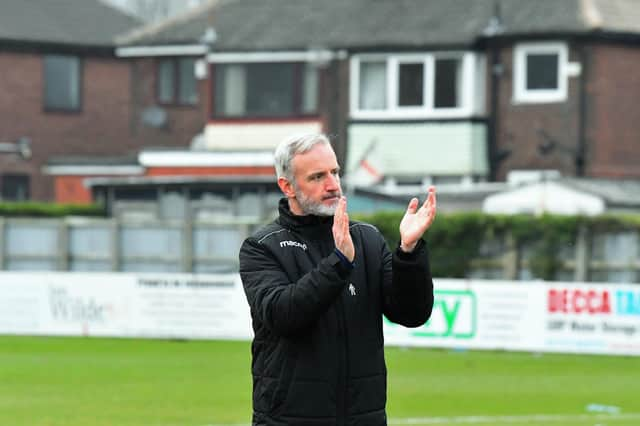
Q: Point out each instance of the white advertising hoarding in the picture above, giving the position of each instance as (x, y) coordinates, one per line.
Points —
(467, 314)
(124, 305)
(516, 315)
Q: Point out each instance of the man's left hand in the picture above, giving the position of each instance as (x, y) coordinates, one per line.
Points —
(416, 221)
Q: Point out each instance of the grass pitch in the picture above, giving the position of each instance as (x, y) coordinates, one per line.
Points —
(90, 382)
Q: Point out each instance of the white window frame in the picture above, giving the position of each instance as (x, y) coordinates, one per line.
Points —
(520, 92)
(393, 110)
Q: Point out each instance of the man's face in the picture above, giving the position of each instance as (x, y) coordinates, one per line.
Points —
(316, 185)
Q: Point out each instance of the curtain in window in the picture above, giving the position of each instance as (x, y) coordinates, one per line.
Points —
(62, 82)
(373, 83)
(188, 93)
(166, 79)
(234, 90)
(310, 90)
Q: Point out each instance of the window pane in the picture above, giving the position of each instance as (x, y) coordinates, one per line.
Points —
(62, 82)
(542, 71)
(448, 83)
(310, 90)
(270, 90)
(254, 90)
(373, 85)
(410, 85)
(188, 90)
(230, 91)
(15, 187)
(166, 79)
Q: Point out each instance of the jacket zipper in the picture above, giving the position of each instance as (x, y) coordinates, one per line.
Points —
(343, 370)
(343, 350)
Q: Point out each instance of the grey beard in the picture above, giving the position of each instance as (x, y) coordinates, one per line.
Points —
(311, 207)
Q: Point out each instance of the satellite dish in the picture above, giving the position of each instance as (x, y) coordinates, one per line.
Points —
(154, 116)
(24, 147)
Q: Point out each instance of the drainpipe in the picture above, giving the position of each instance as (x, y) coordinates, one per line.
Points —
(496, 71)
(492, 33)
(581, 152)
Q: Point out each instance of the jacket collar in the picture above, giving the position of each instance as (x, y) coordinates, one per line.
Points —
(300, 223)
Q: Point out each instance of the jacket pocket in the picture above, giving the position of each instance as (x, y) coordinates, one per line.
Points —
(272, 380)
(367, 394)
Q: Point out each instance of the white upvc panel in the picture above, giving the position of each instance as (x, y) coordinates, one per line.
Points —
(238, 136)
(419, 149)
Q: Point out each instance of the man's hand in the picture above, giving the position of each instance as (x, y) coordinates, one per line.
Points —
(416, 221)
(341, 235)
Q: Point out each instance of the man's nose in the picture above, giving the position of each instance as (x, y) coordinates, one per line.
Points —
(333, 183)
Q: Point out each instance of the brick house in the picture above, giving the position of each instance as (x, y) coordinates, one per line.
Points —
(63, 90)
(426, 91)
(438, 91)
(566, 76)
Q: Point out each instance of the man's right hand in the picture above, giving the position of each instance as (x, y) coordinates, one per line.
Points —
(341, 235)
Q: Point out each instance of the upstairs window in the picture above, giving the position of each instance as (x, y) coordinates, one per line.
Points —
(61, 83)
(373, 81)
(265, 90)
(412, 85)
(448, 83)
(176, 81)
(540, 72)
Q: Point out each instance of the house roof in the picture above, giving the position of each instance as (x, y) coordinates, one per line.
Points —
(615, 192)
(544, 197)
(68, 22)
(566, 195)
(361, 24)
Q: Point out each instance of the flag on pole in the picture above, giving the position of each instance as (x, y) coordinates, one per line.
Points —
(368, 169)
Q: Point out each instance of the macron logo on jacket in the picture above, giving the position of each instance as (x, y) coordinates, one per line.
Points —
(293, 244)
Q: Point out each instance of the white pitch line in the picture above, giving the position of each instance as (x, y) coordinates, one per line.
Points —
(536, 418)
(453, 420)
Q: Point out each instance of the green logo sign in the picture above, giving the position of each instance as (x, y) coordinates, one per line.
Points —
(454, 316)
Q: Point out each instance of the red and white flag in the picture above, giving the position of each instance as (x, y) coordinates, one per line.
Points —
(368, 170)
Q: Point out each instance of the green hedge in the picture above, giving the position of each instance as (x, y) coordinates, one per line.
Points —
(37, 209)
(454, 240)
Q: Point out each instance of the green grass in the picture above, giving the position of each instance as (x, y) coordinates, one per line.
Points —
(89, 382)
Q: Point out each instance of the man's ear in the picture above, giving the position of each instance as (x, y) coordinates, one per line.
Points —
(286, 187)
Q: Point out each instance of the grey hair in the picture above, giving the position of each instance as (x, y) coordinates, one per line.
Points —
(292, 146)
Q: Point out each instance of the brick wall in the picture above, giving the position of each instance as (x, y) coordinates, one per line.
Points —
(613, 118)
(520, 125)
(114, 94)
(183, 121)
(100, 127)
(612, 138)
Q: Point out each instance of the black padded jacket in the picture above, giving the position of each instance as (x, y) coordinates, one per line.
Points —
(318, 355)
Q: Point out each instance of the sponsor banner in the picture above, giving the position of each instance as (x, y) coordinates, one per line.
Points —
(593, 318)
(467, 314)
(124, 305)
(190, 306)
(478, 315)
(515, 315)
